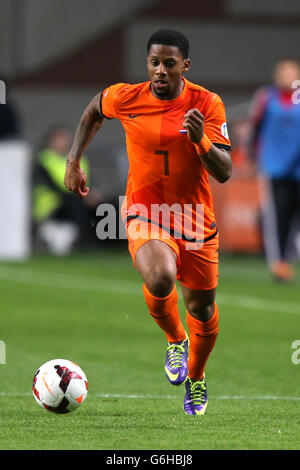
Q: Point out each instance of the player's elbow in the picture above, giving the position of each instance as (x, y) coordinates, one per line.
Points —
(225, 174)
(225, 169)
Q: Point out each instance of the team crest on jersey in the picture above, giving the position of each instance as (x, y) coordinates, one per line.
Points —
(224, 130)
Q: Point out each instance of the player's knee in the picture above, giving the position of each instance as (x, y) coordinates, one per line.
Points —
(161, 281)
(200, 311)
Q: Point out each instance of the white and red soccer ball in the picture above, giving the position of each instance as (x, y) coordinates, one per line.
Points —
(60, 386)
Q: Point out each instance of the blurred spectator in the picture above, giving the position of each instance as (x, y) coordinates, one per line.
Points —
(275, 142)
(60, 217)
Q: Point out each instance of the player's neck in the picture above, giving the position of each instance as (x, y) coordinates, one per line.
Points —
(180, 89)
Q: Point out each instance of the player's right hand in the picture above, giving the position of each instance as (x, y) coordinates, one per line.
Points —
(75, 179)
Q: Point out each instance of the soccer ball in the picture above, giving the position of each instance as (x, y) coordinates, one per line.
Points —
(60, 386)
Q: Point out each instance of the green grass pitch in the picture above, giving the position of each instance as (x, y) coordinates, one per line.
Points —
(90, 309)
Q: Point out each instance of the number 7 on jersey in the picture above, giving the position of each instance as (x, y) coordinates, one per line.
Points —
(165, 153)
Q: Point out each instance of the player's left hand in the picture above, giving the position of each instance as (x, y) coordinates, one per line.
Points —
(75, 179)
(194, 123)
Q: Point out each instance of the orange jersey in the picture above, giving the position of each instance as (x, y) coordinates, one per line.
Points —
(164, 167)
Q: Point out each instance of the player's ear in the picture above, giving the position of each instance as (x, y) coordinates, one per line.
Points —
(186, 65)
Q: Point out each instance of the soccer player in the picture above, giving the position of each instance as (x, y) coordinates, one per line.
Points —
(176, 137)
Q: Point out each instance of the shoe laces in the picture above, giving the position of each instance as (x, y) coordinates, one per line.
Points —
(197, 391)
(175, 352)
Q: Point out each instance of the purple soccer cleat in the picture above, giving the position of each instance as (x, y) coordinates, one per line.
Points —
(176, 366)
(195, 400)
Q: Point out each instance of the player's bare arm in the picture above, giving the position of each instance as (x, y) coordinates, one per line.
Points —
(89, 124)
(216, 161)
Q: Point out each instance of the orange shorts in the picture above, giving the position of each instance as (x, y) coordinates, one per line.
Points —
(196, 269)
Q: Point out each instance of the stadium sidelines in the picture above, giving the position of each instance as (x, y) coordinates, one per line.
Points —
(162, 397)
(119, 286)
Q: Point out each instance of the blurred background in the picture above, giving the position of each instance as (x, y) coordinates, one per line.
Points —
(57, 54)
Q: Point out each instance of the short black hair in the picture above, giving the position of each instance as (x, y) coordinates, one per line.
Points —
(170, 37)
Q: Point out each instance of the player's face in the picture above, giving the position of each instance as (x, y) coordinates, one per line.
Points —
(165, 67)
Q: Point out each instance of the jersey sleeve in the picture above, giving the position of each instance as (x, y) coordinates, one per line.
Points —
(109, 101)
(215, 124)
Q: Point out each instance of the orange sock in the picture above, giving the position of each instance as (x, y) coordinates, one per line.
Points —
(203, 336)
(164, 311)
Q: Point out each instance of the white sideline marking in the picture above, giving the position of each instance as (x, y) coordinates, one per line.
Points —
(162, 397)
(119, 286)
(173, 397)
